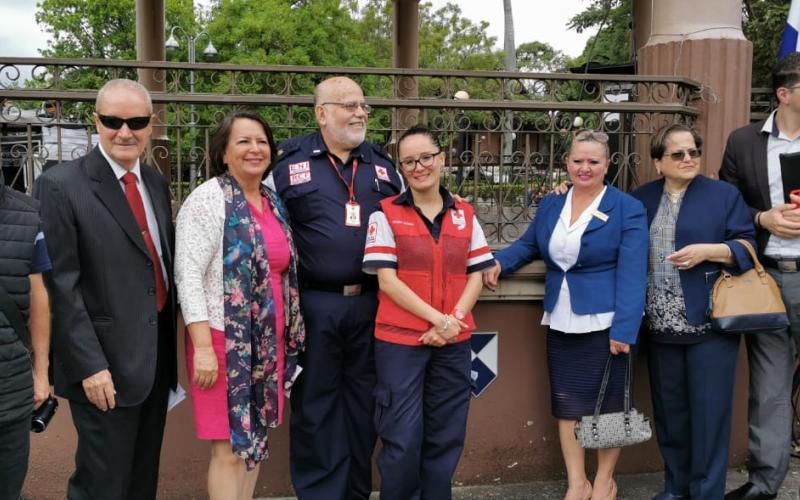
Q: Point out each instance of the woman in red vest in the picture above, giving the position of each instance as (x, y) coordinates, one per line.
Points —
(428, 251)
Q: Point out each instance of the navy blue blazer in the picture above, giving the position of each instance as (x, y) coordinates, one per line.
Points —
(611, 271)
(711, 212)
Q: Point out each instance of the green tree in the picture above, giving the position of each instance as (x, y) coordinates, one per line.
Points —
(316, 33)
(612, 44)
(541, 57)
(95, 29)
(450, 41)
(764, 21)
(102, 29)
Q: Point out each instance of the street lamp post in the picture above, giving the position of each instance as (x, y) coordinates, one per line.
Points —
(210, 51)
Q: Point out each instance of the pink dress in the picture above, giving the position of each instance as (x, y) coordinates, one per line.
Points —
(211, 405)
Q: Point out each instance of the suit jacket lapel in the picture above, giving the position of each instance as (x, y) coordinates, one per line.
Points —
(651, 198)
(162, 209)
(106, 187)
(606, 206)
(553, 215)
(758, 160)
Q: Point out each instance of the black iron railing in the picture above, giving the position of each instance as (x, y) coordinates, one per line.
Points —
(506, 133)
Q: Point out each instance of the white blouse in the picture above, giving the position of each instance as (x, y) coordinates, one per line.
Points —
(198, 255)
(564, 247)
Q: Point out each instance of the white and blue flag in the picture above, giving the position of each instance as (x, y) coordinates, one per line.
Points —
(790, 32)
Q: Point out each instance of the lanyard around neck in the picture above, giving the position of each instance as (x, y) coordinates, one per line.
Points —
(351, 186)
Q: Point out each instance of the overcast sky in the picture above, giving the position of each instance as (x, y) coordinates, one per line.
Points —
(21, 36)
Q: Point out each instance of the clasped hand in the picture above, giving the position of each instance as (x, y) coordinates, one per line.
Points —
(444, 333)
(782, 220)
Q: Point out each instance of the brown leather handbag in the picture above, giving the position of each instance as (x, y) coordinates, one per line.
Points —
(748, 303)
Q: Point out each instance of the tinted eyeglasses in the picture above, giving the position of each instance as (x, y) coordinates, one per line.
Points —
(680, 155)
(115, 122)
(425, 159)
(351, 107)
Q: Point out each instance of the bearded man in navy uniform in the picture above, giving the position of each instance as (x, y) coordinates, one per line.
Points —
(331, 181)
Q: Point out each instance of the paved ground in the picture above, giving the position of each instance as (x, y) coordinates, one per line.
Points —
(631, 486)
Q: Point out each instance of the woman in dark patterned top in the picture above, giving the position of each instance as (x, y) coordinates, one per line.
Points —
(694, 222)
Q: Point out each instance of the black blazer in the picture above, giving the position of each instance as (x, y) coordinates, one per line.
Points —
(744, 165)
(102, 284)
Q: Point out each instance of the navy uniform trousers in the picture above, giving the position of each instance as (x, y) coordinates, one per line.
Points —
(332, 438)
(692, 391)
(422, 400)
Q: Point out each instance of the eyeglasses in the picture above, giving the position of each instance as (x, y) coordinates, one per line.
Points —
(680, 155)
(115, 122)
(591, 135)
(350, 107)
(425, 160)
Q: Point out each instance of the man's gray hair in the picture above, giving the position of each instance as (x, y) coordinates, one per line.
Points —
(123, 83)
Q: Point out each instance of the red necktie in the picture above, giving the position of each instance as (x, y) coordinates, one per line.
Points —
(137, 207)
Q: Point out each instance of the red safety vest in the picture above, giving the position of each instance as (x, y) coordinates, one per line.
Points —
(436, 272)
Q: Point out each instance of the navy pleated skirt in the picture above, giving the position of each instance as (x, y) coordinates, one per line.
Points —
(576, 362)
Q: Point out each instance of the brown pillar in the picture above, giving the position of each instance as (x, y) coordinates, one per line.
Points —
(702, 41)
(406, 55)
(150, 47)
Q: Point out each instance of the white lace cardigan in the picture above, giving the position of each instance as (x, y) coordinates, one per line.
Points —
(198, 255)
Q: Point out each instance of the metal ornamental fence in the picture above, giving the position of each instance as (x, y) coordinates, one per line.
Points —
(505, 133)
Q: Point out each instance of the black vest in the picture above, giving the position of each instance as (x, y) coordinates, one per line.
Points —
(19, 224)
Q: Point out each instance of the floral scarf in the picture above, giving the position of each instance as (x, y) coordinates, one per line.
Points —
(250, 323)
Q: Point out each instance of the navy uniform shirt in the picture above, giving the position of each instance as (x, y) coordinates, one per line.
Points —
(329, 251)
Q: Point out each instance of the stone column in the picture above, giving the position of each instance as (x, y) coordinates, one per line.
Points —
(406, 55)
(150, 47)
(702, 41)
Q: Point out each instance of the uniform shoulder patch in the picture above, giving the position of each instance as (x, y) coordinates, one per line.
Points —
(286, 148)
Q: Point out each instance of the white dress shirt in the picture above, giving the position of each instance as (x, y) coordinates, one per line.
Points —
(777, 143)
(149, 211)
(564, 247)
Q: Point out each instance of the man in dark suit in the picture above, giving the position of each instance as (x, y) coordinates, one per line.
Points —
(111, 240)
(752, 163)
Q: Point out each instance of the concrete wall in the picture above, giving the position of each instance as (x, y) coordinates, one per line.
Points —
(511, 436)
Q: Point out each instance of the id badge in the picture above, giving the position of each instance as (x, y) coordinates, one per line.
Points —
(352, 214)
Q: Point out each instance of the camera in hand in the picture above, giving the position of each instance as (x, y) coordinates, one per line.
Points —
(42, 415)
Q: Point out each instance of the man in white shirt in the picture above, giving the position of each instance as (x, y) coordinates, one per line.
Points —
(109, 230)
(752, 163)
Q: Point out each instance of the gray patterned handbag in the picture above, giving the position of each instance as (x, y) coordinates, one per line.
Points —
(613, 430)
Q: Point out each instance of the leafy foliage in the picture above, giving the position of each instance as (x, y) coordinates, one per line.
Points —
(540, 57)
(103, 29)
(612, 44)
(764, 21)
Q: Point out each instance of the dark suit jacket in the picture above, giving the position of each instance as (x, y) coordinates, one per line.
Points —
(711, 212)
(102, 285)
(744, 165)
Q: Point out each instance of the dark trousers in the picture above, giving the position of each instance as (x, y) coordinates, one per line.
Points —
(332, 437)
(422, 400)
(119, 450)
(692, 391)
(15, 445)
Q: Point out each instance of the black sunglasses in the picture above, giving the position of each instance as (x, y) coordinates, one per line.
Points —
(680, 155)
(133, 123)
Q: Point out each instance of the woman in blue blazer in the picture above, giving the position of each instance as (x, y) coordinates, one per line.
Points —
(594, 242)
(694, 222)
